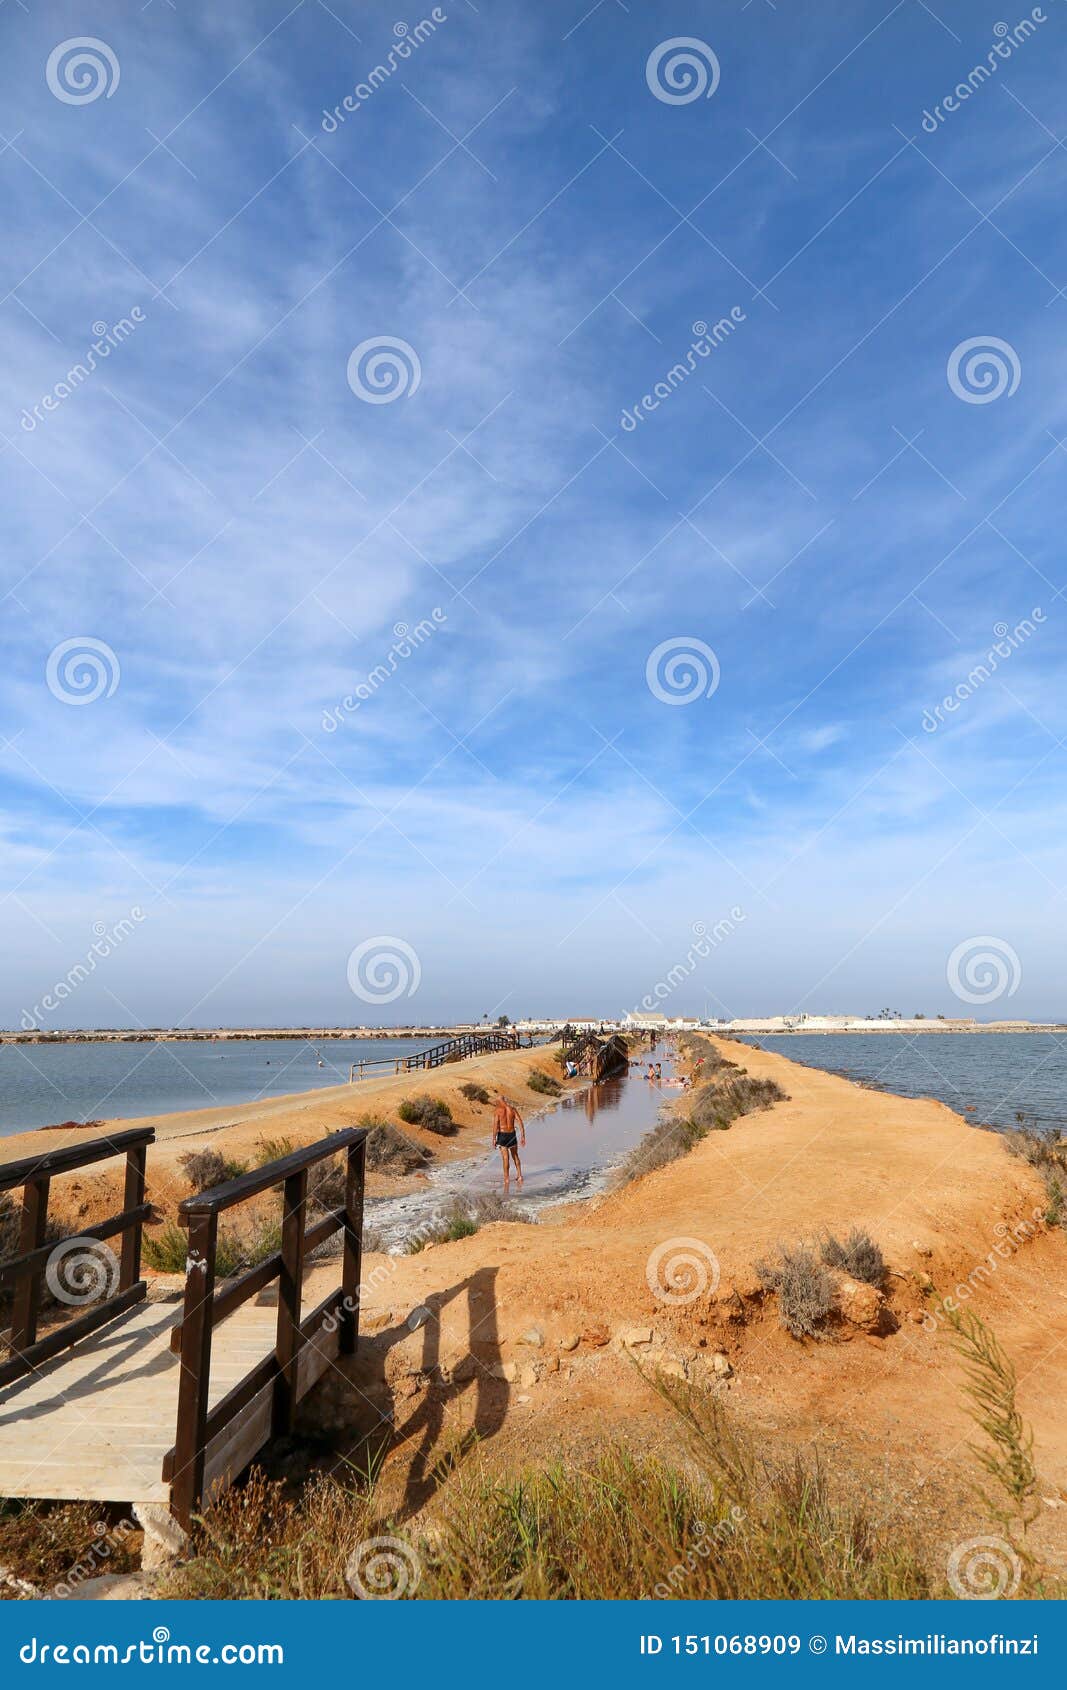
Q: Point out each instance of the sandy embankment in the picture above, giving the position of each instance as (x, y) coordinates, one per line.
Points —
(939, 1197)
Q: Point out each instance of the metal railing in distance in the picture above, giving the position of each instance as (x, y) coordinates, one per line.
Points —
(23, 1274)
(264, 1403)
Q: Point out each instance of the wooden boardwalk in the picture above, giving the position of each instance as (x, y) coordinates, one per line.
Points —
(144, 1401)
(96, 1422)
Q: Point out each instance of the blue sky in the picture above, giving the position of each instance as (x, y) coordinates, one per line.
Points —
(828, 502)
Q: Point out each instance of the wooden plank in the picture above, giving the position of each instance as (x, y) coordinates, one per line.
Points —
(28, 1289)
(37, 1259)
(132, 1201)
(224, 1196)
(352, 1248)
(63, 1336)
(188, 1482)
(290, 1292)
(229, 1454)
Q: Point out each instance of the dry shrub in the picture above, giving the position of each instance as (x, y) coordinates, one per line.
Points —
(859, 1256)
(62, 1544)
(272, 1150)
(389, 1151)
(1046, 1152)
(539, 1081)
(326, 1183)
(205, 1168)
(431, 1113)
(238, 1248)
(803, 1288)
(473, 1092)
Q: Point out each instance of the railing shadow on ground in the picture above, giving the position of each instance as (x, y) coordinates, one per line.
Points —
(454, 1375)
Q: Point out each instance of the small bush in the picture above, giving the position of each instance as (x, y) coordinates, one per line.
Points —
(1040, 1149)
(326, 1183)
(166, 1250)
(238, 1251)
(474, 1093)
(803, 1287)
(389, 1151)
(205, 1168)
(859, 1256)
(1046, 1153)
(272, 1150)
(430, 1113)
(539, 1081)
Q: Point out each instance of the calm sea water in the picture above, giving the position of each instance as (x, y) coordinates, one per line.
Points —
(999, 1074)
(41, 1085)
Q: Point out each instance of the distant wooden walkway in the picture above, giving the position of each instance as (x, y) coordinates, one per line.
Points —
(137, 1401)
(452, 1050)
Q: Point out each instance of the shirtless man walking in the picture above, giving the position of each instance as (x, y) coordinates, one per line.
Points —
(505, 1120)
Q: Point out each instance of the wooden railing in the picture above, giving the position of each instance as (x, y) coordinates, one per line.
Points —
(23, 1275)
(451, 1050)
(208, 1444)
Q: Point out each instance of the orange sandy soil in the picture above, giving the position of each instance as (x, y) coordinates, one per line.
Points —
(884, 1410)
(303, 1117)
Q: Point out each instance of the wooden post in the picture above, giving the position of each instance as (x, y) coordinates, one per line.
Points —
(130, 1270)
(290, 1288)
(352, 1258)
(28, 1290)
(187, 1485)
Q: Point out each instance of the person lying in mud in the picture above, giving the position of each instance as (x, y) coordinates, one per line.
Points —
(506, 1119)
